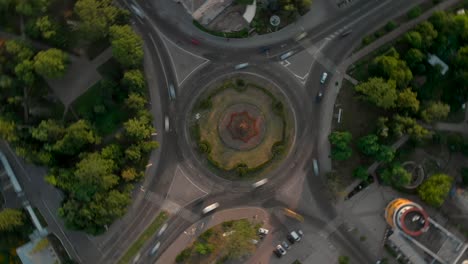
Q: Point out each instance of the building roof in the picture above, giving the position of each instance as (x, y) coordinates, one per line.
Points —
(434, 60)
(414, 221)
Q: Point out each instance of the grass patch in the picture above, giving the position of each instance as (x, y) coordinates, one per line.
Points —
(359, 118)
(244, 33)
(145, 236)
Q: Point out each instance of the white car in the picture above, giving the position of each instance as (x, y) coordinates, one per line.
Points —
(263, 231)
(323, 78)
(210, 208)
(241, 66)
(166, 124)
(280, 251)
(286, 55)
(259, 183)
(300, 36)
(155, 248)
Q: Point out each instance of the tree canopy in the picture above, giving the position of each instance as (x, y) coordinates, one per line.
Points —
(396, 175)
(407, 99)
(435, 111)
(96, 17)
(435, 190)
(51, 63)
(379, 92)
(340, 145)
(391, 67)
(10, 219)
(127, 46)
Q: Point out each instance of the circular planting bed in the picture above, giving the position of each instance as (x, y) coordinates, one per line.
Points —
(242, 127)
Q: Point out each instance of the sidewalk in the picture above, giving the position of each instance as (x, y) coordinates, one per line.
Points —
(190, 234)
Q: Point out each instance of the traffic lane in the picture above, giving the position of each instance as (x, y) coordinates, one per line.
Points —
(341, 47)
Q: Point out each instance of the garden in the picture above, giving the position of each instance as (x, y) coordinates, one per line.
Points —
(230, 240)
(407, 87)
(242, 129)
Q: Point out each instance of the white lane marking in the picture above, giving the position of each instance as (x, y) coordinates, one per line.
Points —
(188, 75)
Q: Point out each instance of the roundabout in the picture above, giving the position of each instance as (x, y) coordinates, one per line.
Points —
(242, 127)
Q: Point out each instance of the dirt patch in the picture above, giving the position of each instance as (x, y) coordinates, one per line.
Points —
(229, 20)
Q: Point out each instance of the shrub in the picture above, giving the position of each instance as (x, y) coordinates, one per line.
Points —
(278, 148)
(391, 25)
(204, 146)
(242, 169)
(435, 190)
(205, 104)
(343, 259)
(414, 12)
(207, 234)
(278, 108)
(367, 40)
(183, 256)
(360, 173)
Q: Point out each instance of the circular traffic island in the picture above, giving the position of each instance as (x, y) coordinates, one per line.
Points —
(241, 127)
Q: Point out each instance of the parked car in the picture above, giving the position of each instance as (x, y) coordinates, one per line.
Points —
(323, 79)
(285, 245)
(279, 251)
(293, 237)
(262, 232)
(210, 208)
(301, 234)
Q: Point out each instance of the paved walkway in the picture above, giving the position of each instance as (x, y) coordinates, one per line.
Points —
(190, 234)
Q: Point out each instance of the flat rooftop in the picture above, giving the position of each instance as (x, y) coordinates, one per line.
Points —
(437, 245)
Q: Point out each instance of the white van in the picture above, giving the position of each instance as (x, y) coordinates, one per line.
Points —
(210, 208)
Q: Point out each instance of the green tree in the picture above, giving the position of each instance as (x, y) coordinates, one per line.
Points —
(127, 46)
(407, 99)
(31, 7)
(48, 131)
(343, 260)
(369, 145)
(135, 102)
(134, 81)
(77, 136)
(340, 145)
(396, 175)
(382, 128)
(378, 91)
(435, 190)
(138, 128)
(51, 63)
(130, 174)
(8, 130)
(428, 34)
(46, 28)
(407, 125)
(18, 50)
(203, 249)
(385, 154)
(414, 57)
(96, 17)
(133, 153)
(414, 39)
(10, 219)
(239, 243)
(93, 216)
(393, 68)
(435, 111)
(462, 57)
(360, 173)
(93, 174)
